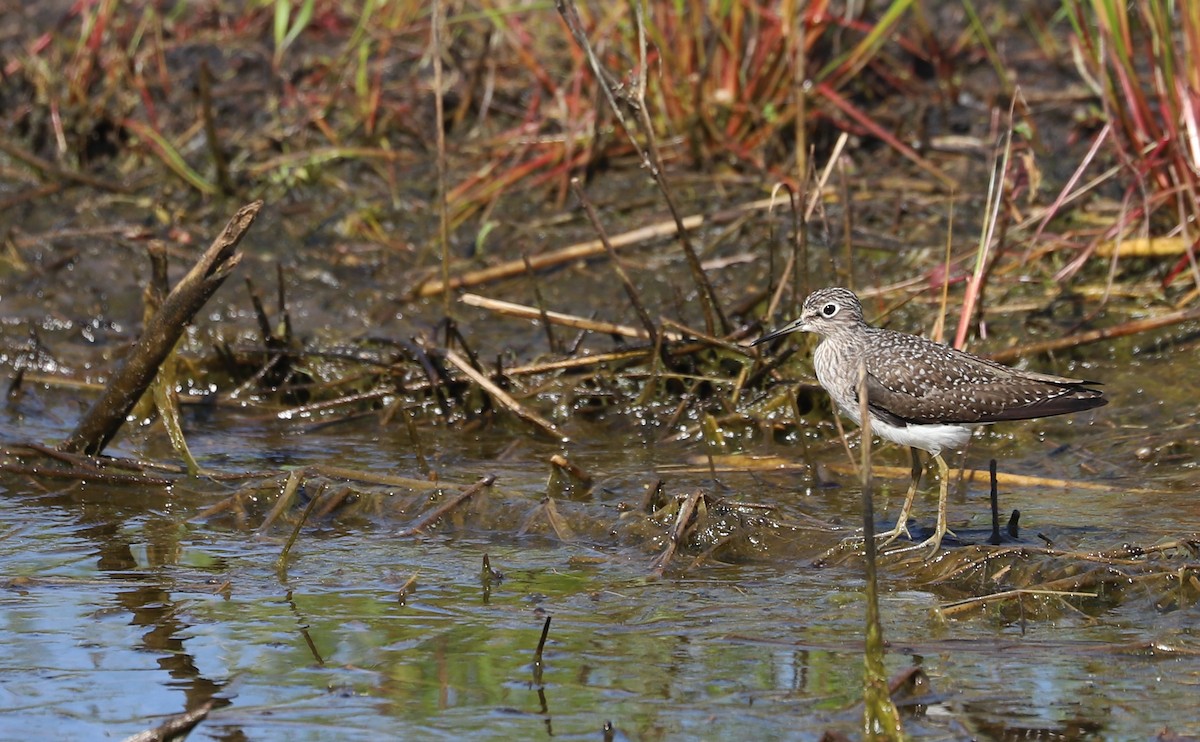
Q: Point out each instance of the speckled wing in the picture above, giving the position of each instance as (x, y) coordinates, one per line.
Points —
(917, 381)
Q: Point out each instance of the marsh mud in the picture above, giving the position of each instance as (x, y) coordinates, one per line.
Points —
(678, 512)
(125, 603)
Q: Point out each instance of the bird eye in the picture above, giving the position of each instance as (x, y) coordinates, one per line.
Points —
(829, 310)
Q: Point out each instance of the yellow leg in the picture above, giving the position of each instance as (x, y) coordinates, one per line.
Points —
(888, 537)
(934, 542)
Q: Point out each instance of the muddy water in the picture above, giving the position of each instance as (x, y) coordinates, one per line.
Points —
(123, 606)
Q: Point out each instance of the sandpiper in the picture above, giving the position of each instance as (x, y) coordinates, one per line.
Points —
(923, 394)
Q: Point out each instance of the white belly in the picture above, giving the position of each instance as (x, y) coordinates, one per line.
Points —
(931, 438)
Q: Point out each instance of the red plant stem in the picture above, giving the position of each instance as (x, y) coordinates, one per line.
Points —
(853, 112)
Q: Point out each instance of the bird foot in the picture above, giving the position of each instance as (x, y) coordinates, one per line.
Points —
(933, 543)
(888, 537)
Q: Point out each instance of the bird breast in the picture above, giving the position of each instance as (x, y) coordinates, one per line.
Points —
(836, 370)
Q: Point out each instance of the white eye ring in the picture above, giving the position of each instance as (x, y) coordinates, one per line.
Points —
(829, 310)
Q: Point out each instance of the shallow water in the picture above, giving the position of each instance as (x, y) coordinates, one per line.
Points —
(122, 606)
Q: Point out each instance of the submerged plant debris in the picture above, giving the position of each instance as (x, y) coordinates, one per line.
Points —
(518, 336)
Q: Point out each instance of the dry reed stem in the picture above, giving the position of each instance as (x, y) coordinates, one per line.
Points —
(562, 529)
(283, 502)
(312, 408)
(50, 170)
(501, 397)
(333, 501)
(574, 364)
(175, 726)
(1094, 336)
(567, 320)
(846, 107)
(384, 480)
(1066, 194)
(618, 266)
(685, 522)
(294, 481)
(436, 33)
(997, 187)
(558, 524)
(551, 340)
(709, 340)
(407, 588)
(573, 469)
(434, 515)
(208, 116)
(813, 199)
(649, 155)
(585, 250)
(736, 463)
(981, 555)
(36, 195)
(83, 475)
(967, 604)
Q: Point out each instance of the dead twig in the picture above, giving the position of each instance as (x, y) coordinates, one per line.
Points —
(960, 606)
(294, 481)
(584, 250)
(127, 385)
(50, 170)
(691, 510)
(207, 115)
(434, 515)
(567, 320)
(501, 397)
(714, 320)
(85, 474)
(1094, 336)
(437, 32)
(617, 265)
(174, 727)
(283, 502)
(736, 463)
